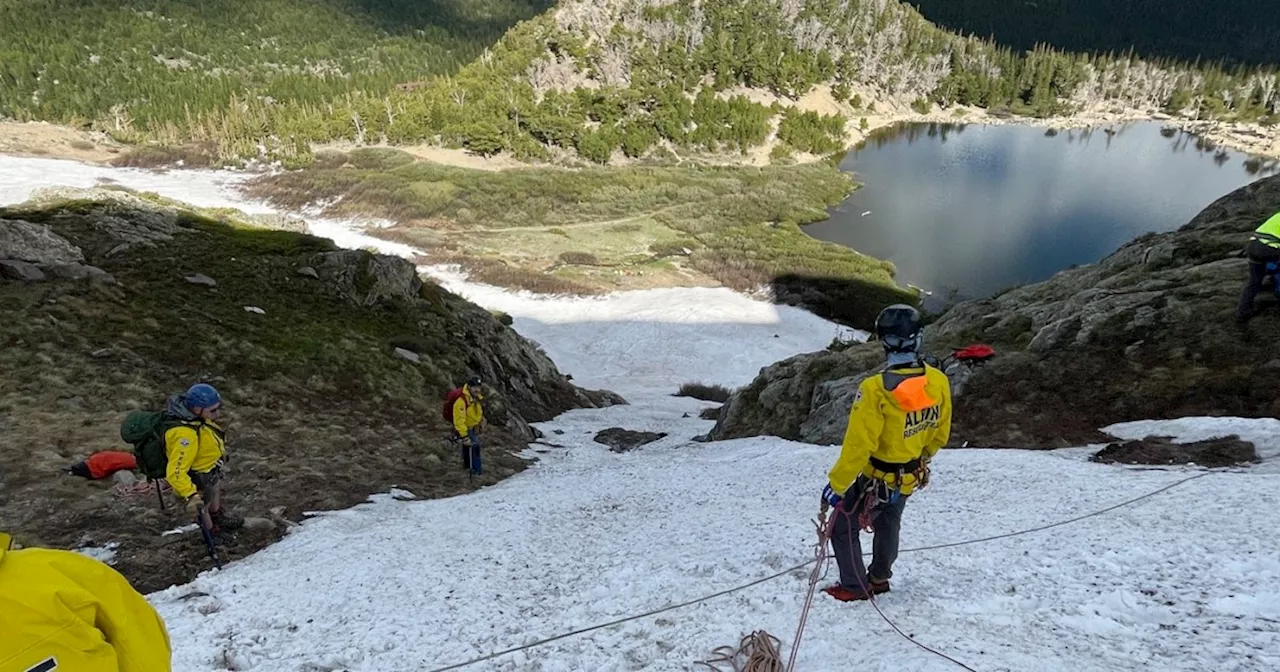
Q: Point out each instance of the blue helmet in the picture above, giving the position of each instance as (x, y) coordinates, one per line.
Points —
(202, 395)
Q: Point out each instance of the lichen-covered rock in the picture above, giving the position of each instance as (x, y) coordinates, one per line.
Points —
(369, 278)
(36, 244)
(622, 440)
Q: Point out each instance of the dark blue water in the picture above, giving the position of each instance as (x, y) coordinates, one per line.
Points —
(968, 211)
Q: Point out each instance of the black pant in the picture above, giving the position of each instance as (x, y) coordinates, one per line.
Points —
(847, 547)
(1260, 255)
(209, 485)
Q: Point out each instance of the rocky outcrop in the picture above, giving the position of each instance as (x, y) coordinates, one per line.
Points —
(622, 440)
(369, 278)
(31, 252)
(36, 243)
(1159, 450)
(780, 399)
(1147, 332)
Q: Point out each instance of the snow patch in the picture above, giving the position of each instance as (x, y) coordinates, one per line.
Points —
(105, 553)
(1184, 580)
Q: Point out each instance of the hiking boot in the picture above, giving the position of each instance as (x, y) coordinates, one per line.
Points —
(878, 586)
(846, 595)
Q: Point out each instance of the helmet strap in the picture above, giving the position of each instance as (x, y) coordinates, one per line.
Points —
(901, 358)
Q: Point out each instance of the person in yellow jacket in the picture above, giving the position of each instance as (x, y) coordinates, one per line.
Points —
(467, 416)
(61, 611)
(1263, 251)
(195, 449)
(900, 419)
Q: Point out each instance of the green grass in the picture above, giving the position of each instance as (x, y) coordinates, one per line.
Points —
(742, 225)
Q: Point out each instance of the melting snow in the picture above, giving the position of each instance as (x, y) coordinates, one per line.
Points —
(1184, 580)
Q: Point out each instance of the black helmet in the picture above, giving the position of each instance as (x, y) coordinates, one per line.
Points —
(899, 328)
(474, 381)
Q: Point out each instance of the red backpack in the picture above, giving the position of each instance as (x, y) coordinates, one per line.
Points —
(976, 352)
(447, 410)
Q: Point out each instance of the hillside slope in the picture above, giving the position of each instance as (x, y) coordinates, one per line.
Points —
(1209, 30)
(148, 65)
(320, 410)
(1148, 332)
(606, 81)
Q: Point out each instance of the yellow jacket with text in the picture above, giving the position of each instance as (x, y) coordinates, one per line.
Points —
(61, 611)
(898, 415)
(192, 447)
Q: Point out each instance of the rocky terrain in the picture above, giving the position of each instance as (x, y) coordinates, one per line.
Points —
(1148, 332)
(332, 364)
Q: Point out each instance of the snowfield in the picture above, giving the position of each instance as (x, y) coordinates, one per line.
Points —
(1186, 579)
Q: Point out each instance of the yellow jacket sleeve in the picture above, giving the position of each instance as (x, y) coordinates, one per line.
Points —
(180, 445)
(865, 423)
(943, 434)
(129, 623)
(460, 416)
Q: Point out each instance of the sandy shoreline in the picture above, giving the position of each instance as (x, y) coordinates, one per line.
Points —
(46, 140)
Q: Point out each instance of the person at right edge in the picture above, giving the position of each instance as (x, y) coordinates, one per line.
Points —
(899, 420)
(1263, 251)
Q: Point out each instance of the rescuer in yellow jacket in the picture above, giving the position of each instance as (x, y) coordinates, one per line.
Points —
(900, 419)
(61, 611)
(195, 449)
(467, 416)
(1263, 251)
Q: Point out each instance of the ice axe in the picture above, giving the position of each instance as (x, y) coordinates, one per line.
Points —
(206, 523)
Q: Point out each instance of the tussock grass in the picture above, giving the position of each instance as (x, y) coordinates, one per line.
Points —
(165, 156)
(705, 392)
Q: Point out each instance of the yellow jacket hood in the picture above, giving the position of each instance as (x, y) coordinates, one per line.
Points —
(67, 610)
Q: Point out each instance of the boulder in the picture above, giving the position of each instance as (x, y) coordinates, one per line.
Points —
(21, 270)
(201, 279)
(369, 278)
(35, 243)
(80, 272)
(259, 524)
(408, 355)
(622, 440)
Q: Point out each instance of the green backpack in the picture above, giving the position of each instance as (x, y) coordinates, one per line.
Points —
(145, 430)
